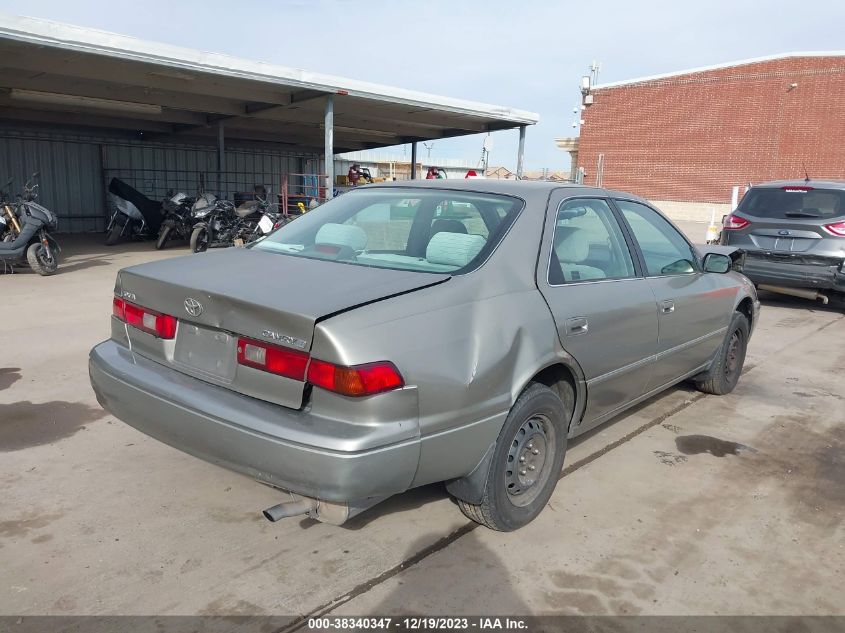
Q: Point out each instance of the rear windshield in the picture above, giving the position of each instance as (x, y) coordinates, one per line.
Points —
(793, 202)
(426, 230)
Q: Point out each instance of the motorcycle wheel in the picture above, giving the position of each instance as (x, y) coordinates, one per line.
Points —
(199, 239)
(163, 236)
(39, 261)
(113, 236)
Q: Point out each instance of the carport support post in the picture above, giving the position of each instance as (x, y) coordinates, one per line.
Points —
(221, 159)
(520, 153)
(329, 150)
(413, 161)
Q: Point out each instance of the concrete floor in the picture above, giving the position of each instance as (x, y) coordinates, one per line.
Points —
(687, 505)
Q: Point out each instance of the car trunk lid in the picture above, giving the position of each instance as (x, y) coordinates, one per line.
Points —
(222, 296)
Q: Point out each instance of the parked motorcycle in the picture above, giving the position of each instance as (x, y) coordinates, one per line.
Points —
(177, 222)
(28, 240)
(223, 225)
(135, 215)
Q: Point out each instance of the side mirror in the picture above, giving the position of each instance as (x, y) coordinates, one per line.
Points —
(717, 263)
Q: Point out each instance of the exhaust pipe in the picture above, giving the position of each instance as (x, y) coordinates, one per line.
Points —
(290, 509)
(331, 512)
(796, 292)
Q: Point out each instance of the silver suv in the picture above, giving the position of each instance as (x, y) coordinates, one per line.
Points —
(793, 233)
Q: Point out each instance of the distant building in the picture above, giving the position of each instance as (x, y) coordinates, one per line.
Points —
(692, 135)
(503, 173)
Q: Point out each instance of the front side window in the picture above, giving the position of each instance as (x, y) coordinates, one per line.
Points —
(426, 230)
(664, 249)
(588, 244)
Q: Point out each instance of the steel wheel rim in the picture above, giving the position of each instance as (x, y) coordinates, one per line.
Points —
(732, 357)
(529, 461)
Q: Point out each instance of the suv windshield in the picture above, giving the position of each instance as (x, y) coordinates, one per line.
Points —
(426, 230)
(799, 201)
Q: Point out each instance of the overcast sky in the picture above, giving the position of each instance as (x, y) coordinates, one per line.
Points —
(524, 54)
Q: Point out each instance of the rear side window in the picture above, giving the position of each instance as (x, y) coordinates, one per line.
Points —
(588, 244)
(793, 202)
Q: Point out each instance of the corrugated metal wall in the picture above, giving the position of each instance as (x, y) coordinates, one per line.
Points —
(75, 170)
(69, 177)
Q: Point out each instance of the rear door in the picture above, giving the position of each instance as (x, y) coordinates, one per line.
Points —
(694, 307)
(603, 308)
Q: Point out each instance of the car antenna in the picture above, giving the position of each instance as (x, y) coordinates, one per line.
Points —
(806, 175)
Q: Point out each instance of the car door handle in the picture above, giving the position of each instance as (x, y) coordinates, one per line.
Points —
(577, 325)
(667, 306)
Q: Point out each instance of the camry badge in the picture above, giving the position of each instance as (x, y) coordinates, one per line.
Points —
(193, 307)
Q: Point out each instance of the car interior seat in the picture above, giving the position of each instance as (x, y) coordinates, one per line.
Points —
(453, 249)
(342, 235)
(572, 247)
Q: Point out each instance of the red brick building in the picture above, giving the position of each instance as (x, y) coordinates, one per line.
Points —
(692, 135)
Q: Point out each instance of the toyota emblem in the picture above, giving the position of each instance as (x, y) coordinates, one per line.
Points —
(193, 307)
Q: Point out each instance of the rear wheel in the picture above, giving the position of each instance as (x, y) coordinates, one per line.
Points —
(723, 375)
(199, 239)
(526, 463)
(163, 236)
(40, 260)
(114, 234)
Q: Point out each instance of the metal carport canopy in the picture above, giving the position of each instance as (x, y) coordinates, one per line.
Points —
(54, 73)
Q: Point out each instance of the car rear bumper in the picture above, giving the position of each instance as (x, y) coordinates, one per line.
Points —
(795, 271)
(222, 427)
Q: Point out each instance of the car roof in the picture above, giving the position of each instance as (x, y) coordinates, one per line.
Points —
(802, 182)
(519, 188)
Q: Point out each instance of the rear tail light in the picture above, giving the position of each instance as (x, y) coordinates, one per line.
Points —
(149, 321)
(838, 229)
(734, 222)
(360, 380)
(276, 360)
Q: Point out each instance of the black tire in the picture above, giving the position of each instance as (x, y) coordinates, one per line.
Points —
(726, 369)
(200, 237)
(114, 234)
(535, 429)
(163, 236)
(39, 261)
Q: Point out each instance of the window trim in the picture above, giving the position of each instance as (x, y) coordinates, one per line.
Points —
(627, 241)
(640, 256)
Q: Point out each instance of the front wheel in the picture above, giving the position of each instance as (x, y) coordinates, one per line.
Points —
(163, 236)
(115, 232)
(200, 239)
(40, 261)
(526, 464)
(724, 373)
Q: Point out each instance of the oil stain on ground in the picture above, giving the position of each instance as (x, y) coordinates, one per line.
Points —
(25, 524)
(9, 376)
(25, 424)
(697, 444)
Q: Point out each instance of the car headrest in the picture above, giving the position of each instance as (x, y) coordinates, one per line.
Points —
(571, 245)
(453, 249)
(342, 235)
(448, 225)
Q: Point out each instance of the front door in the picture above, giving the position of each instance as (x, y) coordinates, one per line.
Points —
(603, 308)
(694, 307)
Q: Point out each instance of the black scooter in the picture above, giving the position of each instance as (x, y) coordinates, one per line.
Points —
(28, 240)
(177, 223)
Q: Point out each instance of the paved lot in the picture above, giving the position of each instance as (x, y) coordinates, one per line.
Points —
(688, 505)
